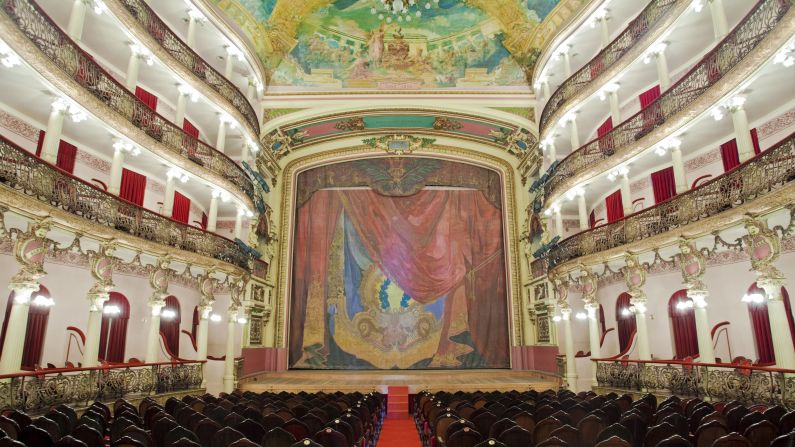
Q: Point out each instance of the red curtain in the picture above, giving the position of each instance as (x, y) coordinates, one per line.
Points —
(40, 143)
(648, 98)
(194, 326)
(605, 142)
(113, 333)
(602, 325)
(190, 143)
(170, 327)
(133, 186)
(181, 210)
(204, 221)
(615, 207)
(67, 153)
(760, 322)
(663, 184)
(730, 155)
(147, 98)
(592, 219)
(683, 323)
(626, 323)
(432, 244)
(36, 330)
(755, 141)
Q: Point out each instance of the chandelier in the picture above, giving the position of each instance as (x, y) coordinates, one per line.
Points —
(402, 10)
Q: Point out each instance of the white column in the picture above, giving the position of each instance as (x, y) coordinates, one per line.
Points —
(564, 51)
(706, 351)
(574, 137)
(76, 20)
(571, 366)
(14, 344)
(582, 210)
(220, 142)
(153, 337)
(116, 169)
(168, 198)
(644, 353)
(251, 88)
(52, 136)
(229, 65)
(558, 223)
(662, 70)
(626, 194)
(745, 146)
(679, 170)
(91, 349)
(719, 23)
(244, 154)
(182, 100)
(239, 222)
(779, 326)
(229, 361)
(604, 33)
(615, 111)
(202, 335)
(133, 67)
(594, 337)
(212, 217)
(191, 39)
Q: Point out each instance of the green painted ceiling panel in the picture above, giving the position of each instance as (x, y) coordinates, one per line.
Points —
(408, 121)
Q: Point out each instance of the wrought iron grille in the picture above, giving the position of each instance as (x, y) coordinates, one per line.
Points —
(27, 174)
(156, 28)
(766, 172)
(41, 390)
(609, 56)
(734, 48)
(34, 23)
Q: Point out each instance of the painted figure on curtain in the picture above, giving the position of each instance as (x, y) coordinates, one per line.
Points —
(399, 263)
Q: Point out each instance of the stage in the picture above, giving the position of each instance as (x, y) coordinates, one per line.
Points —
(433, 380)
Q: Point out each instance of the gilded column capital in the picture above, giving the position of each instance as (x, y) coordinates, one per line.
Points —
(635, 277)
(206, 287)
(561, 286)
(30, 250)
(589, 283)
(763, 246)
(158, 279)
(102, 272)
(693, 265)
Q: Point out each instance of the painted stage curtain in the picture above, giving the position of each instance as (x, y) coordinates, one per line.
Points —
(133, 187)
(663, 184)
(181, 210)
(615, 207)
(437, 243)
(626, 323)
(683, 323)
(35, 332)
(170, 327)
(67, 154)
(760, 322)
(113, 333)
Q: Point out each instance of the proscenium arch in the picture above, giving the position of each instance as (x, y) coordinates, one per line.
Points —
(463, 152)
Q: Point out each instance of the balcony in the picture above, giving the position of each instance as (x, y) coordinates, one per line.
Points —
(80, 67)
(26, 174)
(608, 57)
(183, 54)
(767, 172)
(710, 70)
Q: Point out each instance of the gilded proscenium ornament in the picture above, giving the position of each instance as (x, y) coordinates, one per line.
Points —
(102, 272)
(635, 277)
(693, 265)
(206, 287)
(158, 280)
(561, 285)
(399, 144)
(763, 246)
(589, 283)
(30, 250)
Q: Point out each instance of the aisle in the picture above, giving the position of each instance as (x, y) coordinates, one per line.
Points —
(399, 431)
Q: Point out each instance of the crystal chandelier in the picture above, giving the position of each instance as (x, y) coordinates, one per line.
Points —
(402, 10)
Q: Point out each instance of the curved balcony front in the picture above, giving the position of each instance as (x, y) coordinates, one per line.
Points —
(641, 26)
(80, 67)
(26, 174)
(766, 173)
(138, 12)
(624, 140)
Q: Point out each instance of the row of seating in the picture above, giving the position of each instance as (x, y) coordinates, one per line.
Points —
(237, 419)
(566, 419)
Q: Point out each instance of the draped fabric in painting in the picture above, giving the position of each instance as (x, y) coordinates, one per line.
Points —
(405, 274)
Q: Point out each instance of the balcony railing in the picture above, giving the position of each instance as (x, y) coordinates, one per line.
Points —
(708, 381)
(609, 56)
(767, 172)
(81, 67)
(762, 19)
(29, 175)
(190, 60)
(39, 390)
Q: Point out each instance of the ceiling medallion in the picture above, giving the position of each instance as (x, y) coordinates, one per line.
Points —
(402, 10)
(398, 144)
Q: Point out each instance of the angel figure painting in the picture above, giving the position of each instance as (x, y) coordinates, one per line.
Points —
(399, 263)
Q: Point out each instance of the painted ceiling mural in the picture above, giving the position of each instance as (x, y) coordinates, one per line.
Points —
(332, 45)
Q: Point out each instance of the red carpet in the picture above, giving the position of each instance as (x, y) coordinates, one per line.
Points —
(399, 431)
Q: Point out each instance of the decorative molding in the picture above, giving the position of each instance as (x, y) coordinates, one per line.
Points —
(777, 124)
(713, 156)
(93, 162)
(19, 127)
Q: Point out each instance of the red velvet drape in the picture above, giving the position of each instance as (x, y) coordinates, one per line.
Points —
(606, 127)
(133, 187)
(663, 184)
(626, 323)
(146, 97)
(683, 324)
(190, 143)
(170, 327)
(605, 140)
(650, 113)
(435, 243)
(730, 153)
(194, 325)
(760, 322)
(36, 330)
(113, 333)
(592, 219)
(181, 210)
(615, 207)
(67, 153)
(602, 325)
(755, 141)
(204, 221)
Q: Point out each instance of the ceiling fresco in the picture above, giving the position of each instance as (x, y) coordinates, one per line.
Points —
(333, 45)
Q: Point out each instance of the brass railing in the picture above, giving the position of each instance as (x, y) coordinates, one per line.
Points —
(81, 67)
(766, 172)
(190, 60)
(762, 19)
(710, 381)
(42, 389)
(609, 56)
(27, 174)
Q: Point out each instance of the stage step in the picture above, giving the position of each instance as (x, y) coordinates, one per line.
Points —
(398, 403)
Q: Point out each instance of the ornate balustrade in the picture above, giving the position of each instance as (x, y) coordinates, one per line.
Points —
(609, 56)
(190, 60)
(42, 389)
(762, 19)
(34, 23)
(29, 175)
(760, 175)
(709, 381)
